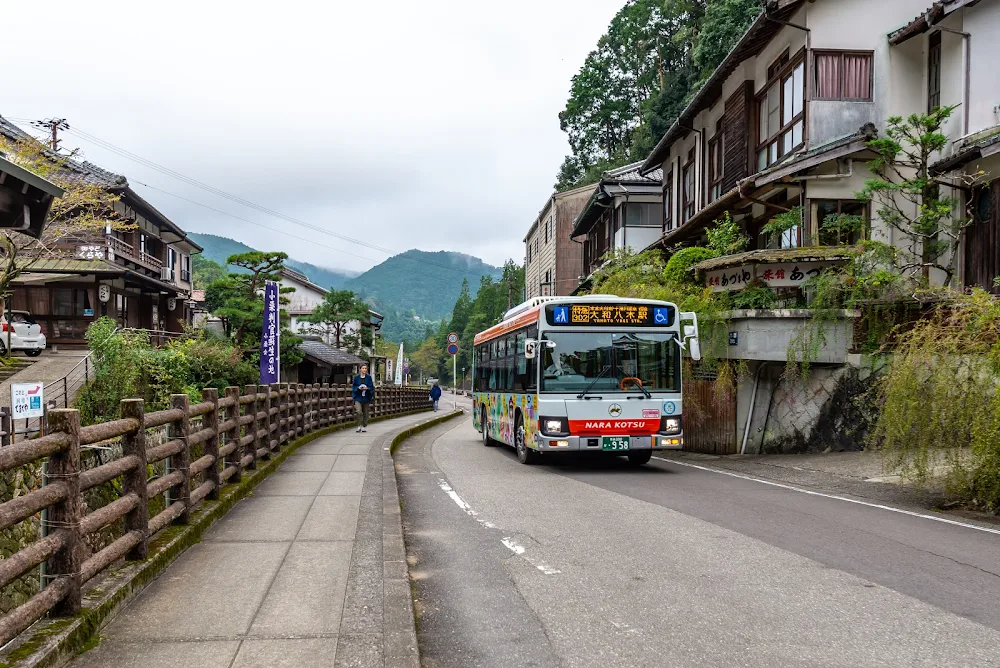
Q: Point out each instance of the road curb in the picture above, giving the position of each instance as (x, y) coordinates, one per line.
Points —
(52, 642)
(400, 627)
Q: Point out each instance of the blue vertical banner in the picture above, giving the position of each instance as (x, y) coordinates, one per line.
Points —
(270, 340)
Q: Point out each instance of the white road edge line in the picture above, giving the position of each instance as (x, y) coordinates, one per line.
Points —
(466, 508)
(519, 550)
(832, 496)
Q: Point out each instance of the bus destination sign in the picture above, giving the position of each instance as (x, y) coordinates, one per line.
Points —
(631, 315)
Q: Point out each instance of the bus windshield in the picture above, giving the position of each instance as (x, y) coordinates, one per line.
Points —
(603, 360)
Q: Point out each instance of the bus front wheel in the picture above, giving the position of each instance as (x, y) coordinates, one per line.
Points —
(639, 457)
(525, 455)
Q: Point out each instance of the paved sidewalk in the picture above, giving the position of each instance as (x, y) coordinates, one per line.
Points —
(308, 571)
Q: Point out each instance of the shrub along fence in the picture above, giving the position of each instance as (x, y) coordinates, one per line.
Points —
(235, 432)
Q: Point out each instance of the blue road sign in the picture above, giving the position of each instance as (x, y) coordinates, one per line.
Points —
(453, 349)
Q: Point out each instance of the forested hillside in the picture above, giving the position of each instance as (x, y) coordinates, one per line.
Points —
(425, 283)
(630, 89)
(217, 249)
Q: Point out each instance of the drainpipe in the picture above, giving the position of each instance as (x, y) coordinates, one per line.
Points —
(966, 85)
(753, 400)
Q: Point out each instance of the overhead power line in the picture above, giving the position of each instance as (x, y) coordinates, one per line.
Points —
(124, 153)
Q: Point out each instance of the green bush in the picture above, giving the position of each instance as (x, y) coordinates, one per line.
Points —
(679, 265)
(127, 365)
(940, 399)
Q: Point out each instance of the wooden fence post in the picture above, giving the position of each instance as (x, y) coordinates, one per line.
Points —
(210, 420)
(283, 413)
(274, 421)
(300, 404)
(251, 409)
(263, 442)
(233, 433)
(134, 481)
(64, 466)
(324, 405)
(182, 460)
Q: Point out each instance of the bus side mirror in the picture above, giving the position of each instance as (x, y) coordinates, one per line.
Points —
(690, 331)
(695, 350)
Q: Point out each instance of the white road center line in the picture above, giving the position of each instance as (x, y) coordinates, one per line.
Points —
(466, 508)
(911, 513)
(520, 551)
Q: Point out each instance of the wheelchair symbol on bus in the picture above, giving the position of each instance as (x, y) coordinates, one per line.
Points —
(661, 316)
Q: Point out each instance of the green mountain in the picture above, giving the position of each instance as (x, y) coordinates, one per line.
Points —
(414, 290)
(423, 283)
(219, 248)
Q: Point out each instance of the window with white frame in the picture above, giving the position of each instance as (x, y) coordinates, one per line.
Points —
(781, 113)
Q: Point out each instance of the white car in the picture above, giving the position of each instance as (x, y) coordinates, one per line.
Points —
(26, 334)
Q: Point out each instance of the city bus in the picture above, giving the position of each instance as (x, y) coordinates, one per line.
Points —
(596, 373)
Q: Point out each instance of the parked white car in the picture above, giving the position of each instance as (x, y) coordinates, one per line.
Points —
(26, 334)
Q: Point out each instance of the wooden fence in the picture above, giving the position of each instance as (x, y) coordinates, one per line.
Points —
(235, 432)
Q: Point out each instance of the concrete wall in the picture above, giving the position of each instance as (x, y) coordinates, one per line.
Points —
(776, 335)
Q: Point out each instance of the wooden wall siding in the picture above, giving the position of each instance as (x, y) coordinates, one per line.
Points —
(212, 443)
(738, 127)
(982, 242)
(709, 417)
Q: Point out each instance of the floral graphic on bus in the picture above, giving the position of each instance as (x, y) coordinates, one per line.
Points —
(501, 409)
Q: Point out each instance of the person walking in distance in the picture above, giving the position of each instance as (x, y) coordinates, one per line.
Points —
(435, 394)
(363, 391)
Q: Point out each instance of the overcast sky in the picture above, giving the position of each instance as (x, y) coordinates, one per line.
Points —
(429, 125)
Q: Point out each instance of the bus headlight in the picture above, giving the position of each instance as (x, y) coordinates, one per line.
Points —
(670, 425)
(554, 426)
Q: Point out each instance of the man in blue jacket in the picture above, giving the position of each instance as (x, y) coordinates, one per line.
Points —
(435, 394)
(363, 391)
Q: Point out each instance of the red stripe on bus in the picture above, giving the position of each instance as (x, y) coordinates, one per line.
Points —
(507, 326)
(612, 427)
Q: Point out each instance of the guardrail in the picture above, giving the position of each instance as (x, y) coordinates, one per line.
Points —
(235, 432)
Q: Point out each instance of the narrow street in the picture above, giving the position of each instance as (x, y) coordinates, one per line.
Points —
(592, 563)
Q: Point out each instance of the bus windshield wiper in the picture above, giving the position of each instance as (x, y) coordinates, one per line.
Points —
(644, 390)
(606, 368)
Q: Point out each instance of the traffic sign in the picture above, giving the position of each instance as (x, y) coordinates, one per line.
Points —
(406, 366)
(453, 349)
(453, 338)
(26, 400)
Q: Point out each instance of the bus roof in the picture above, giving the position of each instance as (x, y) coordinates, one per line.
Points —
(530, 311)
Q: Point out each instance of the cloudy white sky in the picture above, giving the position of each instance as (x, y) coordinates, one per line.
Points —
(427, 125)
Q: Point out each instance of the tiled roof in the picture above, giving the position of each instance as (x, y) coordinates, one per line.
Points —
(777, 255)
(925, 21)
(971, 149)
(631, 174)
(328, 354)
(74, 170)
(56, 265)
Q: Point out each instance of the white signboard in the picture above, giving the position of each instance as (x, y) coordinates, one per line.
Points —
(776, 275)
(26, 400)
(90, 252)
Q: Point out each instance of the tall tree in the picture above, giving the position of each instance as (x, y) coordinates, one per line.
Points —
(238, 299)
(909, 197)
(331, 318)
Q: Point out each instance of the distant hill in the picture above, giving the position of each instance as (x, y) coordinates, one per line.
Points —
(423, 283)
(219, 248)
(414, 290)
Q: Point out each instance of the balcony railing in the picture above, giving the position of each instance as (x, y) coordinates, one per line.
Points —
(126, 250)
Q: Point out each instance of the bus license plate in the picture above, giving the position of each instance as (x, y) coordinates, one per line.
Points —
(615, 443)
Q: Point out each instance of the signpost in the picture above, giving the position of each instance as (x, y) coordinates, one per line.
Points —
(453, 351)
(406, 371)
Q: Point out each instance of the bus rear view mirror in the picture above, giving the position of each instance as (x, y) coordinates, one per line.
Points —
(695, 349)
(690, 331)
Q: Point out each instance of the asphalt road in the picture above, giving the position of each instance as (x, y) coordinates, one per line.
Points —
(593, 563)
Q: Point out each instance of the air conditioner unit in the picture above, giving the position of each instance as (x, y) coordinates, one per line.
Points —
(166, 274)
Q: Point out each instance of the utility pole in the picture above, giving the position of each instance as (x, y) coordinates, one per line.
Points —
(53, 125)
